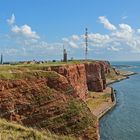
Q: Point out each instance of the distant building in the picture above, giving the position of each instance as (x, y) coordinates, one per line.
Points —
(1, 60)
(64, 55)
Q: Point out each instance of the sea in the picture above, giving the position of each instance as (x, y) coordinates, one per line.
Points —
(123, 122)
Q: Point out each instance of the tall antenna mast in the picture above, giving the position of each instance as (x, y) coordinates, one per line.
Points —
(86, 43)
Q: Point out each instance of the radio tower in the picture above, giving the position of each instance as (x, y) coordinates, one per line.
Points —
(86, 43)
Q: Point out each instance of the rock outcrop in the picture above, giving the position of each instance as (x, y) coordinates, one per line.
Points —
(76, 76)
(95, 73)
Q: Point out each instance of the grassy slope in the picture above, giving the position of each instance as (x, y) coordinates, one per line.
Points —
(13, 131)
(112, 76)
(97, 99)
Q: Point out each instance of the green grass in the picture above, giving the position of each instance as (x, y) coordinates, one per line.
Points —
(22, 66)
(19, 70)
(28, 75)
(112, 75)
(95, 102)
(13, 131)
(75, 120)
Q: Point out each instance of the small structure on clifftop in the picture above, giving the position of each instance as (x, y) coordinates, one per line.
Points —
(64, 55)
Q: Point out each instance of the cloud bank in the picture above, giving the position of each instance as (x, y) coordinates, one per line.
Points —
(120, 38)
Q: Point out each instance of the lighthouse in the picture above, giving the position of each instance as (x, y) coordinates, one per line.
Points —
(64, 55)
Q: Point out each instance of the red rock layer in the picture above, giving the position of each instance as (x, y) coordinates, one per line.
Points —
(45, 101)
(23, 100)
(84, 77)
(76, 76)
(95, 72)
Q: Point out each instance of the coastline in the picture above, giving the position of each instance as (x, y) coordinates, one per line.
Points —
(109, 107)
(100, 100)
(100, 103)
(125, 76)
(105, 111)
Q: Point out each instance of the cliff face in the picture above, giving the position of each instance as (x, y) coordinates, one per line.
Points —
(76, 76)
(83, 77)
(45, 100)
(22, 98)
(95, 72)
(51, 97)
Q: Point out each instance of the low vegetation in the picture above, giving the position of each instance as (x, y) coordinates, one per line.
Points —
(13, 131)
(113, 76)
(28, 75)
(97, 99)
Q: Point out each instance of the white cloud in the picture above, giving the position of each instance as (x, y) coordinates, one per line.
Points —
(98, 40)
(124, 17)
(11, 21)
(72, 42)
(115, 49)
(10, 51)
(75, 37)
(25, 31)
(121, 38)
(106, 23)
(65, 39)
(125, 27)
(124, 38)
(138, 31)
(73, 45)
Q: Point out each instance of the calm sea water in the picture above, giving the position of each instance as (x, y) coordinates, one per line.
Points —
(123, 122)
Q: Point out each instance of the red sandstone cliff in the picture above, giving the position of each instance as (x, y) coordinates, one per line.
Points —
(76, 76)
(47, 98)
(83, 77)
(95, 72)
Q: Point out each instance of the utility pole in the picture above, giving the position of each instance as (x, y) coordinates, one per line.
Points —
(86, 43)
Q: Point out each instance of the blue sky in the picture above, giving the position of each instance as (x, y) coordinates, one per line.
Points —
(38, 29)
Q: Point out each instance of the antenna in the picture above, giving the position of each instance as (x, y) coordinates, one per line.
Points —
(86, 43)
